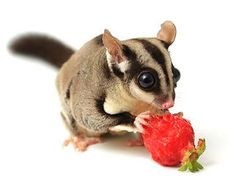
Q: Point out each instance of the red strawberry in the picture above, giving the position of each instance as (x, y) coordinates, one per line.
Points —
(170, 140)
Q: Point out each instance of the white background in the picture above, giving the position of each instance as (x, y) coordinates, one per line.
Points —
(31, 131)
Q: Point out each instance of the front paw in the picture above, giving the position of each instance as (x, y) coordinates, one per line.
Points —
(141, 120)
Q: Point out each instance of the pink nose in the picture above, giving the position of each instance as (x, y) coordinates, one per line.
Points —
(168, 104)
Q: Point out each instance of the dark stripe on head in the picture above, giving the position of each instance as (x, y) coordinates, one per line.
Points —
(134, 65)
(131, 55)
(134, 69)
(156, 54)
(165, 44)
(117, 71)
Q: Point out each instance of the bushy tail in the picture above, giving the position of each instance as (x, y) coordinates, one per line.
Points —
(47, 48)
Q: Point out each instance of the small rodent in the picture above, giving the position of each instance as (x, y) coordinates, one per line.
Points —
(108, 82)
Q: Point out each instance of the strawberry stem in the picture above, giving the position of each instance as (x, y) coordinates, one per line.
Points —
(190, 158)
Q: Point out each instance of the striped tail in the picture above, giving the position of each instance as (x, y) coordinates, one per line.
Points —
(50, 50)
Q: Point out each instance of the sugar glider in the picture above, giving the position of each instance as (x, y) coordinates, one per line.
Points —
(107, 82)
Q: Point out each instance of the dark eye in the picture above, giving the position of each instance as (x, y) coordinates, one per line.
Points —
(146, 80)
(176, 75)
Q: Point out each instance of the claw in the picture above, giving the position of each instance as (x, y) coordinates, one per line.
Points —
(140, 120)
(81, 142)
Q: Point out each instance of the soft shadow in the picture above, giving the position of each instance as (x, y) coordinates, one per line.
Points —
(118, 144)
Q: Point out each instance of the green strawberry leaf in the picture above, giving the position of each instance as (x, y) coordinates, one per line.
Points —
(190, 159)
(183, 167)
(199, 166)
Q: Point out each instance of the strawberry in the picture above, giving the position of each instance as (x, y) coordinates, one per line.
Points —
(170, 140)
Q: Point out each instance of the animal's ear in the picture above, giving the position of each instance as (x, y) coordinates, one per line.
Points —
(167, 33)
(113, 46)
